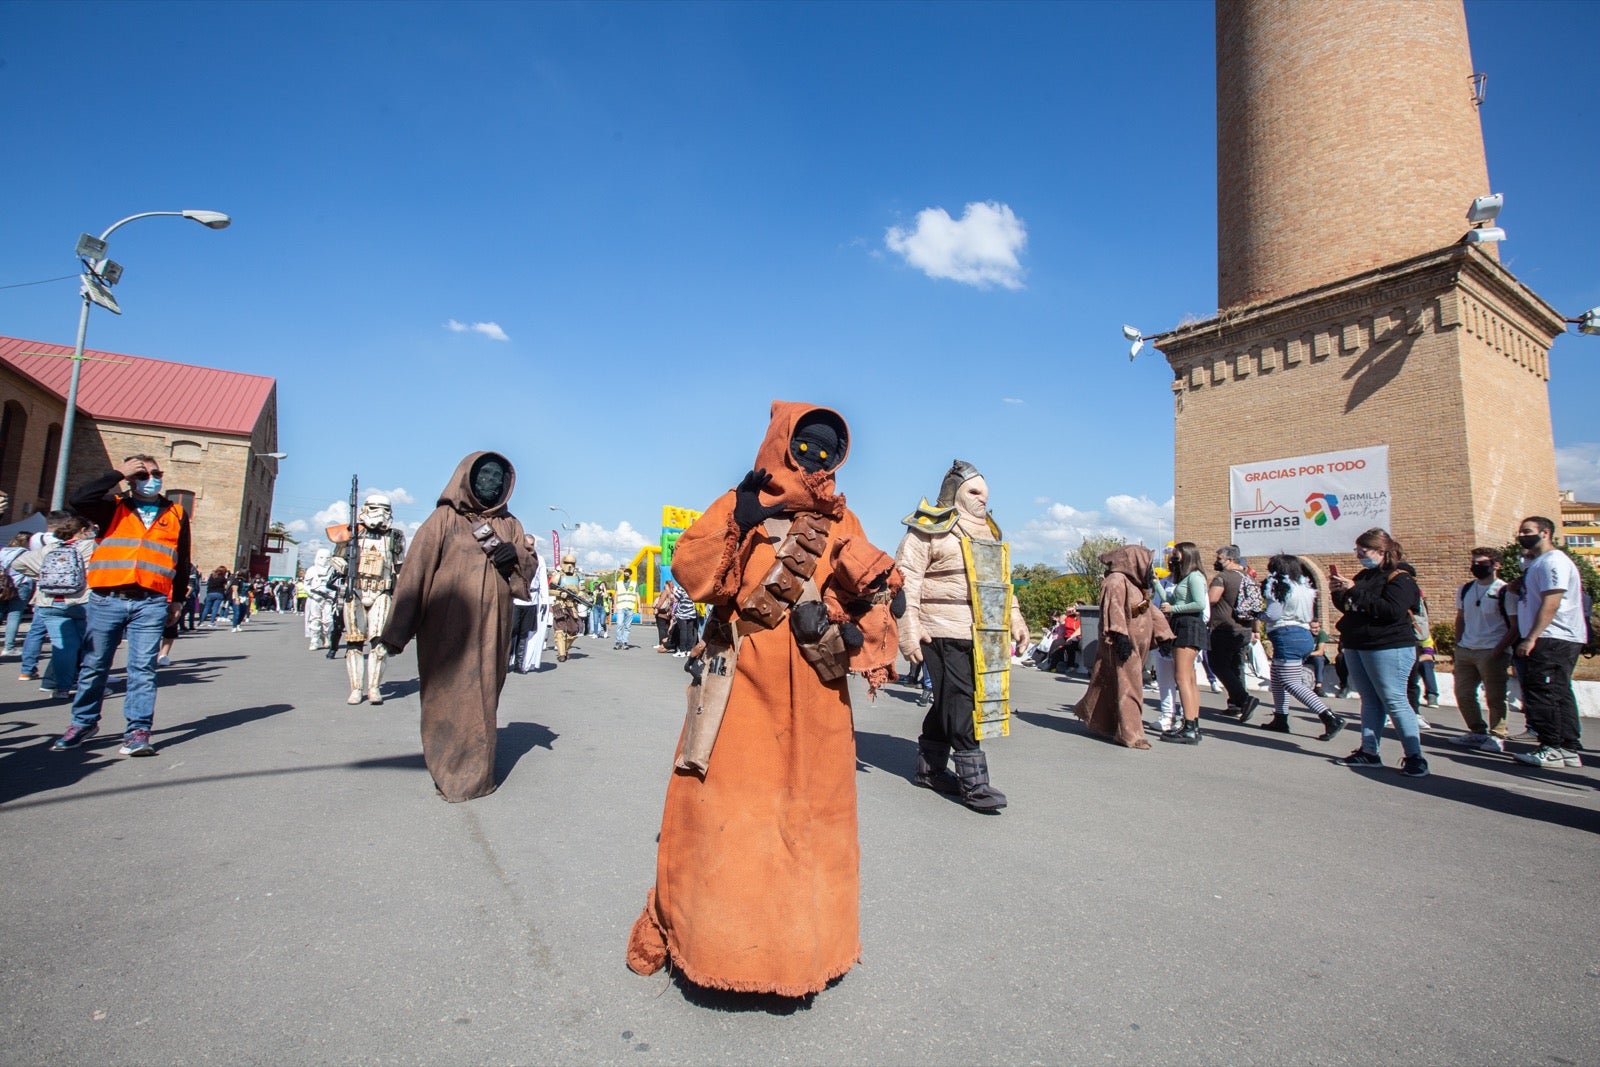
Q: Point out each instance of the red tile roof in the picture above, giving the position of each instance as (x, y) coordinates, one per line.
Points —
(152, 392)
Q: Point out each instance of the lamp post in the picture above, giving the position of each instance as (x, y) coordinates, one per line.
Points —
(566, 525)
(211, 220)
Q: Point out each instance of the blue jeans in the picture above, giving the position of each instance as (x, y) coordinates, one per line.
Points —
(624, 621)
(597, 621)
(65, 625)
(1379, 676)
(213, 607)
(109, 618)
(32, 646)
(12, 609)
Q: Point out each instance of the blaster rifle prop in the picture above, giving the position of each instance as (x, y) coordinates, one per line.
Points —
(352, 549)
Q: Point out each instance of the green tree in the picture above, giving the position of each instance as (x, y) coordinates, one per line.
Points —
(1588, 577)
(1085, 561)
(1040, 601)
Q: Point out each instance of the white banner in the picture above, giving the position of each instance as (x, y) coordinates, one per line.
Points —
(1309, 504)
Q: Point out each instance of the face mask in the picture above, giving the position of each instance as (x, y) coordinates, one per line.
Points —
(1529, 541)
(1368, 563)
(1219, 566)
(488, 481)
(1482, 570)
(149, 487)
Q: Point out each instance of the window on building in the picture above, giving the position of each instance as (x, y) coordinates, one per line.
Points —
(188, 451)
(184, 497)
(1580, 540)
(52, 456)
(13, 430)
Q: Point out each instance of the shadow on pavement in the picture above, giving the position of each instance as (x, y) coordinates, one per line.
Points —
(35, 769)
(724, 1000)
(896, 755)
(1497, 798)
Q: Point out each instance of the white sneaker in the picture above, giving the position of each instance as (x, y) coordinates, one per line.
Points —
(1164, 724)
(1469, 740)
(1545, 756)
(1492, 744)
(1216, 687)
(1423, 724)
(163, 661)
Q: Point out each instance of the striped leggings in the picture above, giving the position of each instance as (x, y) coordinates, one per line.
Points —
(1289, 678)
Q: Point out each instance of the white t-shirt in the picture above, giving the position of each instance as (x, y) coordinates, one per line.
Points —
(1482, 625)
(1552, 570)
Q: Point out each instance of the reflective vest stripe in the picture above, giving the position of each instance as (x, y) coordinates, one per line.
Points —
(132, 554)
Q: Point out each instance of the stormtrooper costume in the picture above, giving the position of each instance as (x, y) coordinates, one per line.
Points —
(319, 600)
(527, 646)
(380, 548)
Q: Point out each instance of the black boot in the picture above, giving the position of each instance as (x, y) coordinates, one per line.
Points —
(1251, 703)
(972, 771)
(1332, 723)
(933, 769)
(1187, 734)
(1278, 724)
(331, 650)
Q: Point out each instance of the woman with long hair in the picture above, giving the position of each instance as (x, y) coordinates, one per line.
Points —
(1187, 612)
(1380, 647)
(1291, 598)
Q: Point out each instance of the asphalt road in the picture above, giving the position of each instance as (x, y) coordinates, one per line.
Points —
(280, 885)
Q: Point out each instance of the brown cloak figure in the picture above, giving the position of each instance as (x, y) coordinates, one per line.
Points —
(454, 596)
(1113, 705)
(757, 880)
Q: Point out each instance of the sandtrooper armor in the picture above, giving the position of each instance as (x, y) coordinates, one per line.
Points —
(319, 600)
(379, 551)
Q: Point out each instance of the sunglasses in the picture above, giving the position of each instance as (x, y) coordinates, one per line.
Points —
(142, 475)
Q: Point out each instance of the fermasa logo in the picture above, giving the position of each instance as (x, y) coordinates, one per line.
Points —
(1320, 507)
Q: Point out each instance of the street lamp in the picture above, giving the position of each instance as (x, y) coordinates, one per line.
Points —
(566, 525)
(93, 291)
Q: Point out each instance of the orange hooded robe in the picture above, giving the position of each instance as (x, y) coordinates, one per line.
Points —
(1113, 705)
(757, 868)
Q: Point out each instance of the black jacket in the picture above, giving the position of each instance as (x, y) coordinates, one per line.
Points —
(1377, 611)
(91, 502)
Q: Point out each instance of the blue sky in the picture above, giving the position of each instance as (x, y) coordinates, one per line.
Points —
(601, 238)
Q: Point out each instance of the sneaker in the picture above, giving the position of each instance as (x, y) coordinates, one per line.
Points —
(28, 676)
(1423, 724)
(1361, 759)
(1525, 735)
(163, 661)
(1249, 709)
(74, 736)
(1572, 756)
(1341, 692)
(63, 694)
(1548, 756)
(1164, 723)
(1469, 740)
(1492, 744)
(1216, 687)
(1414, 767)
(136, 743)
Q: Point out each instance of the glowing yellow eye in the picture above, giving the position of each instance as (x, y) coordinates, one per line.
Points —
(802, 448)
(824, 455)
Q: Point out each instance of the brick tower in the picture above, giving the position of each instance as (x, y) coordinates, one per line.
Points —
(1353, 313)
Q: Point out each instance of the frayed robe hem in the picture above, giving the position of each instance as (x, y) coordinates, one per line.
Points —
(648, 952)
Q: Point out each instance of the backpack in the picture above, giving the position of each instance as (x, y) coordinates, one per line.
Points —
(62, 574)
(1250, 605)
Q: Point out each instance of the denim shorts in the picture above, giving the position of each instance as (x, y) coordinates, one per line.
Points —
(1291, 644)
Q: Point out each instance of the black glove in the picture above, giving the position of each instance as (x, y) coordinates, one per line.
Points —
(897, 606)
(808, 620)
(504, 558)
(1167, 646)
(393, 650)
(748, 511)
(694, 668)
(851, 633)
(1122, 645)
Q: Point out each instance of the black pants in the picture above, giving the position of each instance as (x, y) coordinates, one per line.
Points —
(685, 634)
(1227, 661)
(1547, 699)
(949, 720)
(663, 631)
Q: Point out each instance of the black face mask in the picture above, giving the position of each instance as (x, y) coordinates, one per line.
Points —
(488, 481)
(1219, 566)
(1482, 570)
(818, 443)
(1529, 541)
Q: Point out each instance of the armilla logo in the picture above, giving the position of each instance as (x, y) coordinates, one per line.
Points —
(1322, 507)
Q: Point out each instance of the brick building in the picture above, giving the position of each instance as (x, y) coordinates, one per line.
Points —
(1580, 526)
(1353, 311)
(213, 430)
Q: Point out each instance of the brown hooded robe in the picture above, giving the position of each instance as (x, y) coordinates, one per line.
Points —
(757, 880)
(1113, 705)
(453, 601)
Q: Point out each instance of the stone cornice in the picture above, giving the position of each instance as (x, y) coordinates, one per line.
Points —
(1432, 273)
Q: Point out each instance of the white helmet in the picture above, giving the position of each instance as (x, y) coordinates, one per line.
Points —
(376, 511)
(323, 556)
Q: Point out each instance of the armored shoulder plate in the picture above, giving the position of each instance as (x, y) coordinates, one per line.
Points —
(931, 519)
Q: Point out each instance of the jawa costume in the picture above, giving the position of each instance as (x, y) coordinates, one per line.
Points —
(1130, 624)
(379, 549)
(568, 605)
(960, 621)
(454, 597)
(757, 868)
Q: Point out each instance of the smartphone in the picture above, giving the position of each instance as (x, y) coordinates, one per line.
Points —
(1333, 570)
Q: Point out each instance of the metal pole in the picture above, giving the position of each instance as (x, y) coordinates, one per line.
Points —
(58, 492)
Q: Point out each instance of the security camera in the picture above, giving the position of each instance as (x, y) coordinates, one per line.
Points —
(1485, 208)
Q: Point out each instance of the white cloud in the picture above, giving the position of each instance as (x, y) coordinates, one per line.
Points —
(599, 548)
(297, 526)
(979, 250)
(1578, 469)
(1011, 400)
(1052, 536)
(396, 496)
(332, 515)
(490, 330)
